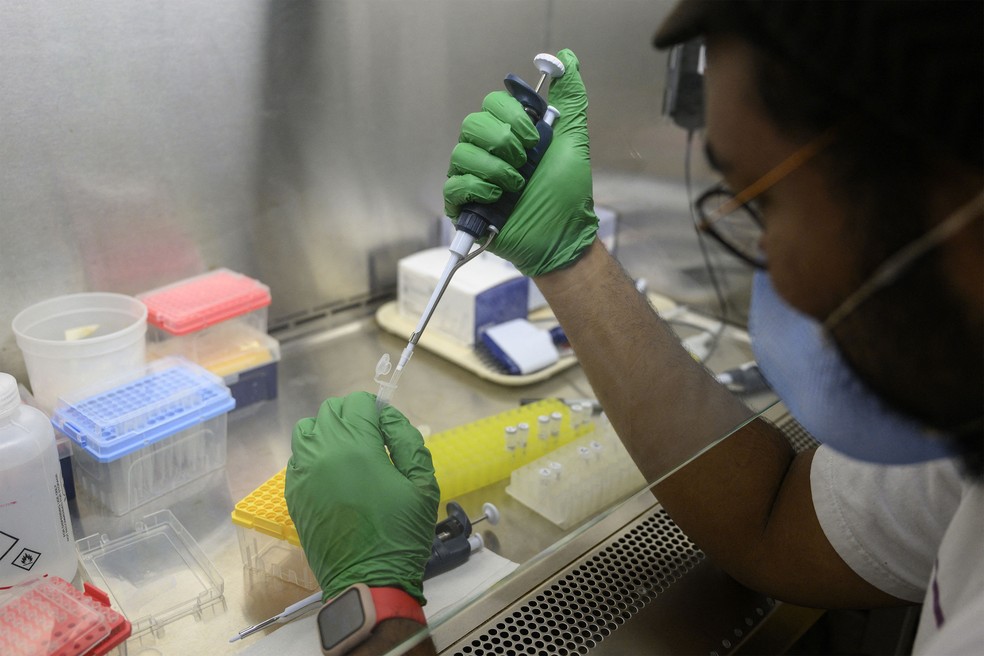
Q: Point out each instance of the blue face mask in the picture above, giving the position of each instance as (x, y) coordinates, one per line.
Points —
(808, 373)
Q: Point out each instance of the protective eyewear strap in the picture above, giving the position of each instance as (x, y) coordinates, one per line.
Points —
(896, 263)
(780, 171)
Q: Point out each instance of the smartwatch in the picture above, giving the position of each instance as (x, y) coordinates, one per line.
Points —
(349, 619)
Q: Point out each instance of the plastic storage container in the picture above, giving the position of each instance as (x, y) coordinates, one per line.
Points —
(268, 540)
(74, 342)
(219, 321)
(155, 574)
(48, 617)
(35, 529)
(147, 434)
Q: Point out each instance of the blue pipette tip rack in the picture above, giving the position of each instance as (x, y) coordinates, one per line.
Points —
(146, 434)
(172, 394)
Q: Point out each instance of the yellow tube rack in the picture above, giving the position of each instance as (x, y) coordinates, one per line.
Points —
(474, 455)
(466, 458)
(265, 510)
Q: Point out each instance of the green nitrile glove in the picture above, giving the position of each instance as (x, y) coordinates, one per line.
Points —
(363, 516)
(554, 220)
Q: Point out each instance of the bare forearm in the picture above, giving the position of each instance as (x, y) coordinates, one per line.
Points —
(747, 501)
(748, 504)
(664, 406)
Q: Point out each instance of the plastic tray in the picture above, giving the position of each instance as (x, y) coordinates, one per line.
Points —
(202, 301)
(389, 318)
(50, 617)
(171, 395)
(154, 575)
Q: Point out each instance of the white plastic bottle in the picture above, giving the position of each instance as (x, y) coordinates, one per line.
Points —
(35, 529)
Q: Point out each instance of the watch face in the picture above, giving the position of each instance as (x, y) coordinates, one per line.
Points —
(341, 618)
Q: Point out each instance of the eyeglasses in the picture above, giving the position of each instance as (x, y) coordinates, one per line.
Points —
(734, 219)
(736, 227)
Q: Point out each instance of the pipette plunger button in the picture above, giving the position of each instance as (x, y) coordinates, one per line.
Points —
(491, 513)
(549, 66)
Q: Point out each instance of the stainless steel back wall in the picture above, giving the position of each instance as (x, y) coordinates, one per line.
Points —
(303, 143)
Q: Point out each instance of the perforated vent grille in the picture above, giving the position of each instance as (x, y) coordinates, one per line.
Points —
(798, 436)
(577, 611)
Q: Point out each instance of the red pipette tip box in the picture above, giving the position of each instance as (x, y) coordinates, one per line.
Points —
(49, 616)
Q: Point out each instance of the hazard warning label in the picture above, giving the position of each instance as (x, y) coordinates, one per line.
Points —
(26, 559)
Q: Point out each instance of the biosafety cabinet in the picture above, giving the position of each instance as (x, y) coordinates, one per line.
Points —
(304, 144)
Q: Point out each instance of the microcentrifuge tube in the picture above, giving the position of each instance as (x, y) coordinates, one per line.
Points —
(585, 454)
(575, 415)
(386, 387)
(522, 434)
(512, 439)
(556, 468)
(555, 419)
(543, 427)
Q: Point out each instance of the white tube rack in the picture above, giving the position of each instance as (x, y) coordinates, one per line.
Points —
(577, 480)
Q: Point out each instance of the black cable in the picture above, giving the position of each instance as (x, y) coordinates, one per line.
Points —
(705, 254)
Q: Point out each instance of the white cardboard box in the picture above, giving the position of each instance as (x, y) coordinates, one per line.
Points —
(484, 292)
(607, 231)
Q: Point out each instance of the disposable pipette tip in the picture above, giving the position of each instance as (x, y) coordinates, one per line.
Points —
(284, 616)
(248, 631)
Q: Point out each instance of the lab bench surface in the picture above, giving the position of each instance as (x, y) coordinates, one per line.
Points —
(434, 394)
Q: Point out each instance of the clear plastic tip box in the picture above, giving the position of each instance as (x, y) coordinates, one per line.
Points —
(219, 321)
(155, 574)
(148, 434)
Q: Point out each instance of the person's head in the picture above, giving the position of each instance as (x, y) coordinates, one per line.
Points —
(895, 91)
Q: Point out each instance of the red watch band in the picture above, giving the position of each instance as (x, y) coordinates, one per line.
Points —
(394, 602)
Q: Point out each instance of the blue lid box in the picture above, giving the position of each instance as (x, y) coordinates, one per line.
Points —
(147, 434)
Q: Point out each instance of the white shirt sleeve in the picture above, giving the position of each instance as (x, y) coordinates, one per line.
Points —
(885, 522)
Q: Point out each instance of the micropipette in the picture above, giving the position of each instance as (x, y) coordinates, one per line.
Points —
(289, 613)
(478, 221)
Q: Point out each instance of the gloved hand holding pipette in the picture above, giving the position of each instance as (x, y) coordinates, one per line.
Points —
(554, 220)
(362, 516)
(540, 220)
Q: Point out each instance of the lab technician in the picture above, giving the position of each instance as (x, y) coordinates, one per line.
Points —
(848, 136)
